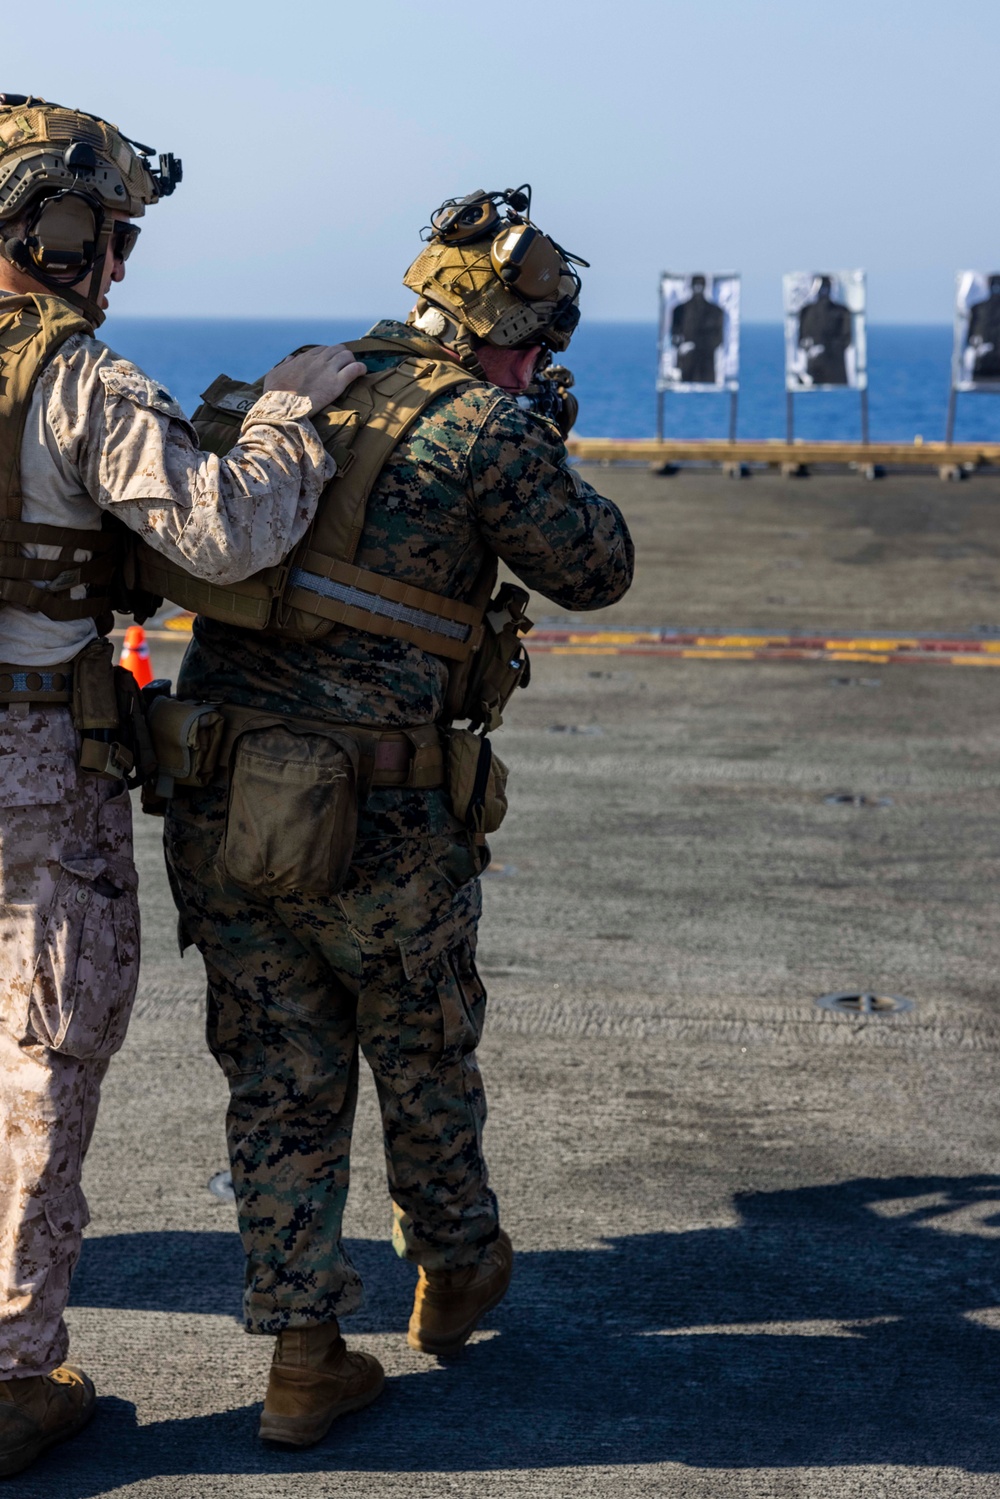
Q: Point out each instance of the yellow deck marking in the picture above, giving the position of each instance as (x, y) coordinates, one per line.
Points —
(854, 656)
(839, 643)
(685, 645)
(705, 655)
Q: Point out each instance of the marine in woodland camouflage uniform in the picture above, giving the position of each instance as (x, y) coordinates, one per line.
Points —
(297, 983)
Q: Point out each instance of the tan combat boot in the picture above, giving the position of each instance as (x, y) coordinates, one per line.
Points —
(40, 1410)
(314, 1379)
(449, 1303)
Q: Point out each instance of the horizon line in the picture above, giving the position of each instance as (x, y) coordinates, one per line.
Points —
(346, 317)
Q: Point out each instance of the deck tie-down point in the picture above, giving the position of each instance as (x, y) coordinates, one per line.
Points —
(851, 1002)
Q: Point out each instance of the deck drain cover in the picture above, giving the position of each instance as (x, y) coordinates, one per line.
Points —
(852, 1003)
(852, 799)
(221, 1186)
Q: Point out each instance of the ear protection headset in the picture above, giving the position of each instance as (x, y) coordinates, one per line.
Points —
(527, 261)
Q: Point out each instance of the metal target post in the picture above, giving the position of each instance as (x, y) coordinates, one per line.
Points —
(863, 393)
(956, 391)
(659, 368)
(949, 426)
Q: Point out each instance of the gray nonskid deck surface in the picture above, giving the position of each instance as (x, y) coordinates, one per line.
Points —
(758, 1244)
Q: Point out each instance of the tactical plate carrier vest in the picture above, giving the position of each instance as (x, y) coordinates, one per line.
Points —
(32, 330)
(318, 586)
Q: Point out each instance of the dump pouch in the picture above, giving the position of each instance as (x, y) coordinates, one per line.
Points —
(292, 819)
(477, 782)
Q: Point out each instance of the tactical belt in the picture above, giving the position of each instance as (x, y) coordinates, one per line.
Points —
(393, 757)
(36, 684)
(412, 758)
(52, 686)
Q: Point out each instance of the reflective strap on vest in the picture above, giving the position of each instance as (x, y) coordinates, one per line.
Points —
(364, 600)
(357, 598)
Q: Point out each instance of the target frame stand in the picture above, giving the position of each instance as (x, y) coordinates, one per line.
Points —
(957, 471)
(801, 470)
(734, 468)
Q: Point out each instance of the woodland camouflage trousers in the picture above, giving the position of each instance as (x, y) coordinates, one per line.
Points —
(295, 984)
(68, 967)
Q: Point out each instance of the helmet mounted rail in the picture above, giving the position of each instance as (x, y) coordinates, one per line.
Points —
(489, 267)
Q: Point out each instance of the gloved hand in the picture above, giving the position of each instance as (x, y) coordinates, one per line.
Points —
(321, 374)
(549, 395)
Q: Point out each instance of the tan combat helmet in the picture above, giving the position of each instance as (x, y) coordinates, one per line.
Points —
(63, 174)
(488, 274)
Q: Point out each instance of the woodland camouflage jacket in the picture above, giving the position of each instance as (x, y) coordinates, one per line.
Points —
(477, 474)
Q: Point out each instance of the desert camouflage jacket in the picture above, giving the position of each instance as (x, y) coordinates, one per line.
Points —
(477, 474)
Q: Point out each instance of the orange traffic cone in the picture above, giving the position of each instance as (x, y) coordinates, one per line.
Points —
(135, 655)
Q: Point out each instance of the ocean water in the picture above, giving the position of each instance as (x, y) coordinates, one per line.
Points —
(615, 368)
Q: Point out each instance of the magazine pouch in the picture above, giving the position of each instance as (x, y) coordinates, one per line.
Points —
(477, 782)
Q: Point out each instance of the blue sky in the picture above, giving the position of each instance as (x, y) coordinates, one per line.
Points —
(754, 135)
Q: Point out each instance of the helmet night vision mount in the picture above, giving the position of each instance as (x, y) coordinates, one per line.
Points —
(488, 268)
(64, 175)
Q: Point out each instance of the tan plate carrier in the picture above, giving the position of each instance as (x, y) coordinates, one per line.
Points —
(319, 587)
(32, 330)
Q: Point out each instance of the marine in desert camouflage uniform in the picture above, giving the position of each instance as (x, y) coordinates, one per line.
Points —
(297, 983)
(99, 437)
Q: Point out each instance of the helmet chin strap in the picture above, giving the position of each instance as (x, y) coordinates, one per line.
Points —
(447, 331)
(89, 302)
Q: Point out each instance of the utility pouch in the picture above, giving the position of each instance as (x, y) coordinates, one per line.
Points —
(501, 663)
(107, 757)
(292, 819)
(132, 727)
(107, 712)
(95, 704)
(187, 738)
(477, 782)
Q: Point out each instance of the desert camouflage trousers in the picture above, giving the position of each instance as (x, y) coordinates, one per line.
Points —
(296, 984)
(69, 957)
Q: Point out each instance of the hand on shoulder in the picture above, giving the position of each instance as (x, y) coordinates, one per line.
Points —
(321, 374)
